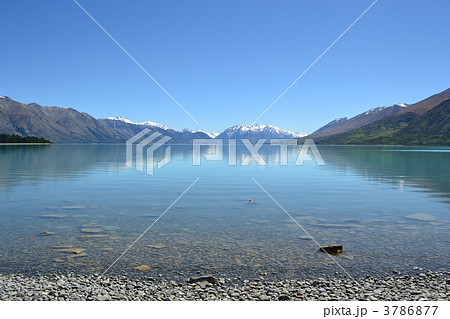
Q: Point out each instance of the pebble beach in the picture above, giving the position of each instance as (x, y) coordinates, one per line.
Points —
(425, 285)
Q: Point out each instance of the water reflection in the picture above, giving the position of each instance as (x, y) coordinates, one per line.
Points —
(427, 168)
(19, 163)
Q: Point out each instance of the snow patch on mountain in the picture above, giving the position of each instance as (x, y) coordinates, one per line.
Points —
(149, 123)
(300, 134)
(119, 118)
(146, 123)
(341, 119)
(379, 109)
(211, 135)
(375, 110)
(262, 130)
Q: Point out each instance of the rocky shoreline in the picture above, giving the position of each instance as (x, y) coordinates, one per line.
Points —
(422, 286)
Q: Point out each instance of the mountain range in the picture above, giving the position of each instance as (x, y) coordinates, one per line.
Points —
(423, 123)
(127, 128)
(57, 124)
(67, 125)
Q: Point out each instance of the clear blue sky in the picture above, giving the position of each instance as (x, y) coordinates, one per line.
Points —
(224, 61)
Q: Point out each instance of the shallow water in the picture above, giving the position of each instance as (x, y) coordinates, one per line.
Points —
(89, 199)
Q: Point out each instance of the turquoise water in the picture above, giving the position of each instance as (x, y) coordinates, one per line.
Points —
(87, 197)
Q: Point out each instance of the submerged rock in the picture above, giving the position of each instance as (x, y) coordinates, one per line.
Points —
(71, 250)
(156, 246)
(47, 233)
(76, 256)
(94, 236)
(422, 217)
(76, 250)
(334, 249)
(142, 268)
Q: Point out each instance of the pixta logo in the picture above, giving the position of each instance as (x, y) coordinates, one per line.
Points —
(140, 151)
(146, 160)
(253, 150)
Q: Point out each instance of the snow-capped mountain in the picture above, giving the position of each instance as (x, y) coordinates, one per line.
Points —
(128, 128)
(124, 122)
(256, 132)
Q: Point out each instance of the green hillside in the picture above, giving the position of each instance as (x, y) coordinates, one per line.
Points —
(431, 128)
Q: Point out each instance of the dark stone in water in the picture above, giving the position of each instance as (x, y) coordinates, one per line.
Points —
(284, 298)
(207, 278)
(334, 249)
(46, 233)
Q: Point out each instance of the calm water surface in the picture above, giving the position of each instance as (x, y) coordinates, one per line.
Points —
(89, 200)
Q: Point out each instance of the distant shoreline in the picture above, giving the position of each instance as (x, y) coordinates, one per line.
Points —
(26, 143)
(321, 145)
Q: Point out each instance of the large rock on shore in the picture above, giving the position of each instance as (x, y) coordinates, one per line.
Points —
(208, 278)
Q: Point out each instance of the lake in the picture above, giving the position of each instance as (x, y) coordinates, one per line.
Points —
(387, 205)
